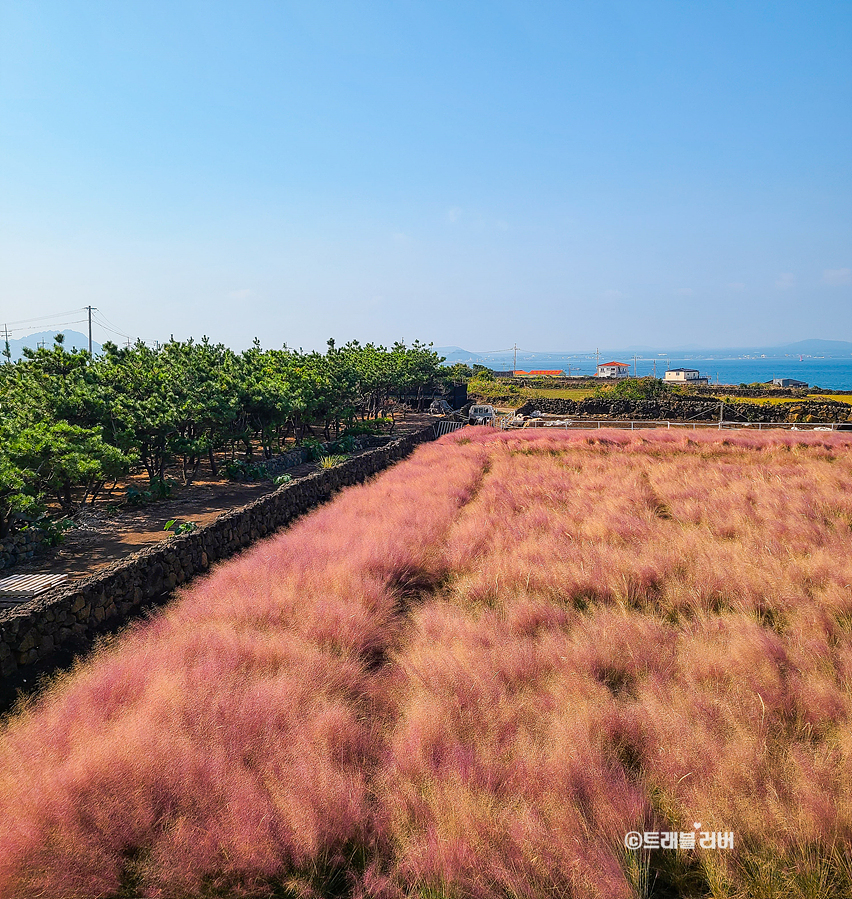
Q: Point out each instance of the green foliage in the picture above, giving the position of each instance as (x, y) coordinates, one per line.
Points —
(282, 479)
(186, 527)
(344, 444)
(158, 490)
(314, 449)
(18, 494)
(633, 389)
(69, 423)
(458, 373)
(240, 470)
(62, 456)
(331, 460)
(370, 427)
(493, 390)
(54, 530)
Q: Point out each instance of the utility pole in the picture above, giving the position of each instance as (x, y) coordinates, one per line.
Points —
(597, 359)
(721, 410)
(634, 365)
(7, 352)
(515, 359)
(655, 368)
(90, 308)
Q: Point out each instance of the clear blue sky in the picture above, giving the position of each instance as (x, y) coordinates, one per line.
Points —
(563, 175)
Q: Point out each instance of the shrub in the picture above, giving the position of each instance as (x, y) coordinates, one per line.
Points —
(185, 527)
(633, 389)
(54, 530)
(241, 470)
(368, 427)
(159, 489)
(313, 447)
(331, 460)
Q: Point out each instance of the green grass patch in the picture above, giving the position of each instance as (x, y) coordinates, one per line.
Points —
(562, 393)
(778, 401)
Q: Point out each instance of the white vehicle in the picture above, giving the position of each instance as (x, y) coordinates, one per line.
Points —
(482, 415)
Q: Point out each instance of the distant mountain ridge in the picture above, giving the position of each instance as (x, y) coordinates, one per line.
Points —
(74, 340)
(811, 347)
(839, 347)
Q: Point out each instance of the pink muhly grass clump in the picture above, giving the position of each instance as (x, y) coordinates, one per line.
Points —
(228, 742)
(497, 780)
(746, 731)
(736, 718)
(474, 674)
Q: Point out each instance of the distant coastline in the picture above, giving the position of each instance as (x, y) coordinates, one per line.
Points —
(829, 370)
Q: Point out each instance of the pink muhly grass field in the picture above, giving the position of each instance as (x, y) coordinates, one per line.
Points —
(470, 678)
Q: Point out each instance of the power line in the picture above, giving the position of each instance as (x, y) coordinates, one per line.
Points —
(50, 326)
(110, 325)
(112, 330)
(38, 318)
(102, 320)
(59, 320)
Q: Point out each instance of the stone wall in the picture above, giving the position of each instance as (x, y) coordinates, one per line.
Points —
(763, 392)
(692, 409)
(69, 617)
(298, 456)
(20, 545)
(23, 545)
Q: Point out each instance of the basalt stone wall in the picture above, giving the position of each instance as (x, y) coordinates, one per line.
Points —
(19, 546)
(71, 616)
(722, 390)
(299, 456)
(673, 409)
(23, 545)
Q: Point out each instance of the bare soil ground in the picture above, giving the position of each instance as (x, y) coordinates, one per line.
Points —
(103, 537)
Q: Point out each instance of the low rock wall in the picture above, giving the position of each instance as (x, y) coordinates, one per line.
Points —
(672, 409)
(20, 546)
(70, 617)
(763, 392)
(280, 463)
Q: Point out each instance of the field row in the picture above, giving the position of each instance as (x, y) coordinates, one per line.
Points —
(471, 678)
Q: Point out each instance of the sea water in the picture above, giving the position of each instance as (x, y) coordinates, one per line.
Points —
(831, 373)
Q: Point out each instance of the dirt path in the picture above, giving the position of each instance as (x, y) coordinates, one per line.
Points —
(102, 538)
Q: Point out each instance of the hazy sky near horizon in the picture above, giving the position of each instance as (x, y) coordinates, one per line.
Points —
(557, 174)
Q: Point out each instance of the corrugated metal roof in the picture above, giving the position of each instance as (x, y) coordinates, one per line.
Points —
(20, 587)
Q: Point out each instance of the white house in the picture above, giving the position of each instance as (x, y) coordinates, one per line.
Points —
(684, 376)
(612, 370)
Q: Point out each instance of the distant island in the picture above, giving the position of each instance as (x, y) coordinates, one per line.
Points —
(811, 347)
